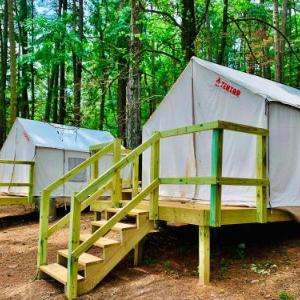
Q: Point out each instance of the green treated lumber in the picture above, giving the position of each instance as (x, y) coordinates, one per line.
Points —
(216, 171)
(64, 221)
(243, 181)
(16, 162)
(74, 233)
(16, 184)
(154, 175)
(188, 180)
(10, 200)
(43, 230)
(189, 129)
(135, 177)
(204, 254)
(98, 147)
(116, 191)
(79, 168)
(31, 180)
(119, 165)
(242, 128)
(261, 170)
(115, 219)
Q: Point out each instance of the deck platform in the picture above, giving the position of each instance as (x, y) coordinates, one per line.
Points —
(185, 211)
(14, 200)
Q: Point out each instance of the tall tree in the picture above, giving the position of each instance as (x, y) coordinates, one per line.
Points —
(3, 40)
(278, 65)
(221, 56)
(133, 100)
(13, 63)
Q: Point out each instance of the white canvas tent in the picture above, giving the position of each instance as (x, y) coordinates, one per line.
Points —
(206, 92)
(55, 149)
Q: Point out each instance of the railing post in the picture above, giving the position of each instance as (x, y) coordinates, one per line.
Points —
(117, 193)
(95, 168)
(135, 176)
(154, 174)
(31, 181)
(74, 232)
(216, 171)
(261, 167)
(43, 232)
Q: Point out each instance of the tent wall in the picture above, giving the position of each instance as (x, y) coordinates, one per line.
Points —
(284, 152)
(49, 165)
(18, 146)
(212, 102)
(177, 153)
(196, 98)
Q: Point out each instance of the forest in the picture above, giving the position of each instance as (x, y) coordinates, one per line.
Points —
(107, 64)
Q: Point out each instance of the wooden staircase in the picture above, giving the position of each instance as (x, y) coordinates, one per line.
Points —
(93, 268)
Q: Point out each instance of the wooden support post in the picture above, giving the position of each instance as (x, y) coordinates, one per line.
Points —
(135, 177)
(95, 169)
(204, 254)
(117, 190)
(74, 232)
(43, 231)
(138, 253)
(261, 170)
(31, 182)
(154, 174)
(216, 171)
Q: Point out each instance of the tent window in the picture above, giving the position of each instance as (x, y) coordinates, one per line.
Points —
(72, 163)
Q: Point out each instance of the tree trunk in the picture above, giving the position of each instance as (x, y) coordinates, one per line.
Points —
(3, 37)
(221, 57)
(77, 61)
(133, 100)
(55, 95)
(13, 63)
(23, 15)
(278, 66)
(62, 78)
(51, 79)
(189, 31)
(208, 34)
(282, 40)
(32, 67)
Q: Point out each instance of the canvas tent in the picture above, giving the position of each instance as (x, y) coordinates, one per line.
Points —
(55, 149)
(206, 92)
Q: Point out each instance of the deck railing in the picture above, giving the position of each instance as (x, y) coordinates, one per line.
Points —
(28, 184)
(111, 180)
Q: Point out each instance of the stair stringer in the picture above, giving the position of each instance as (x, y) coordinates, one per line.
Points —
(96, 273)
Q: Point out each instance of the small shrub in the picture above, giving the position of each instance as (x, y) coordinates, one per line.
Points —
(224, 266)
(167, 265)
(284, 295)
(263, 269)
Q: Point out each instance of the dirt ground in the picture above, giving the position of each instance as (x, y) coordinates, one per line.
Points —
(248, 262)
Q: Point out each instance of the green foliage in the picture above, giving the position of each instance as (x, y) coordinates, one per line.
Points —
(284, 295)
(265, 268)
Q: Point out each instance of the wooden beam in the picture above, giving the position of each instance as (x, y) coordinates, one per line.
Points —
(31, 182)
(116, 191)
(13, 200)
(116, 218)
(204, 254)
(188, 180)
(154, 175)
(15, 184)
(216, 171)
(98, 147)
(189, 129)
(261, 191)
(135, 177)
(93, 186)
(242, 128)
(16, 162)
(243, 181)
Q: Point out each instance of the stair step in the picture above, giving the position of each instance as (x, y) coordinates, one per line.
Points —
(84, 259)
(118, 227)
(58, 272)
(102, 242)
(133, 212)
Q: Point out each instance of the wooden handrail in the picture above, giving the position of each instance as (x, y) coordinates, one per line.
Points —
(16, 162)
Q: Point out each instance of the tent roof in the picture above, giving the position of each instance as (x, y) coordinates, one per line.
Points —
(57, 136)
(270, 90)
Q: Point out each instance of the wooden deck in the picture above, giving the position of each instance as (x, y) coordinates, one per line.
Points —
(14, 200)
(191, 212)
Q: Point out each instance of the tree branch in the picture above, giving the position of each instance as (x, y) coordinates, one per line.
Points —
(162, 52)
(270, 25)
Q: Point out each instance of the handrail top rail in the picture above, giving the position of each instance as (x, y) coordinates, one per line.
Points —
(119, 165)
(55, 184)
(16, 162)
(219, 124)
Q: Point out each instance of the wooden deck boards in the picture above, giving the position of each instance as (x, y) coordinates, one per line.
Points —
(10, 200)
(188, 212)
